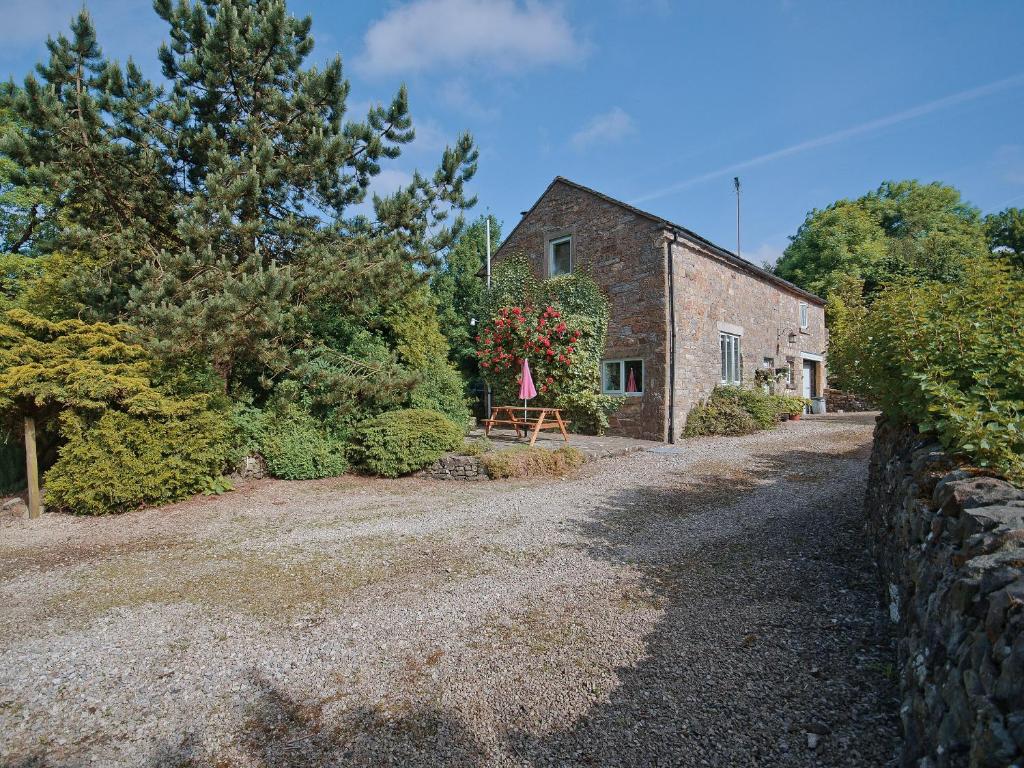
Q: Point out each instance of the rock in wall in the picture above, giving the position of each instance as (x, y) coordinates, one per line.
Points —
(949, 543)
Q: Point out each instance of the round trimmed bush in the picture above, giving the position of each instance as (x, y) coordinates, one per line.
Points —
(399, 442)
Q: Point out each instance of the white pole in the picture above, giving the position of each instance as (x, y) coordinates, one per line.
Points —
(487, 404)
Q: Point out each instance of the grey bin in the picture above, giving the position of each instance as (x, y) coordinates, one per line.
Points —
(817, 405)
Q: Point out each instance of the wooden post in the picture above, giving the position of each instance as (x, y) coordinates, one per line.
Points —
(31, 468)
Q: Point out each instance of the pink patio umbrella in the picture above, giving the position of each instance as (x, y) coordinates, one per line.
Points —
(526, 389)
(631, 382)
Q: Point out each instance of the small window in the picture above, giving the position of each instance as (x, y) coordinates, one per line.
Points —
(732, 363)
(622, 377)
(790, 366)
(803, 315)
(769, 363)
(560, 256)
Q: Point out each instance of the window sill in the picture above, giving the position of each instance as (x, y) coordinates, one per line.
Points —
(623, 394)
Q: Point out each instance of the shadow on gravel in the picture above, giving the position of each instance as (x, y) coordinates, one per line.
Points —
(283, 732)
(771, 639)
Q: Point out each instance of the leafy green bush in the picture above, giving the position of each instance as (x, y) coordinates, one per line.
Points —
(530, 461)
(399, 442)
(720, 414)
(476, 447)
(739, 411)
(296, 446)
(441, 389)
(120, 461)
(949, 358)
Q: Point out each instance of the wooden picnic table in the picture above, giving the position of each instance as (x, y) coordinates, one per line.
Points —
(527, 419)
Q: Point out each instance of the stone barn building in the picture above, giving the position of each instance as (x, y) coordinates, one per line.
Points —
(686, 314)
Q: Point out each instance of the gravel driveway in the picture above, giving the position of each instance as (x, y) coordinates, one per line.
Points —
(712, 607)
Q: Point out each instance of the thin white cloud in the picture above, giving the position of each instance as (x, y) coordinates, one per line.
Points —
(457, 94)
(839, 136)
(600, 129)
(501, 34)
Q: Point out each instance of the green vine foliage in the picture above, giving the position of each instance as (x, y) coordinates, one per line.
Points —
(583, 307)
(949, 357)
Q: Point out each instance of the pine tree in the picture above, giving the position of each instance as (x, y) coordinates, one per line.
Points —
(217, 207)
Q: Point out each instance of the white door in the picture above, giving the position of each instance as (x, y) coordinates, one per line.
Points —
(808, 379)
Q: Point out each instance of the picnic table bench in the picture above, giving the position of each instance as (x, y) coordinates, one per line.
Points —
(527, 419)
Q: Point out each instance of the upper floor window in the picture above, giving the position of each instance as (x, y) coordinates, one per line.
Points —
(804, 322)
(622, 377)
(560, 256)
(732, 364)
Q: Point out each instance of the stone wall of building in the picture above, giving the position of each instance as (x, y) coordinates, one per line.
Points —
(950, 548)
(714, 296)
(625, 254)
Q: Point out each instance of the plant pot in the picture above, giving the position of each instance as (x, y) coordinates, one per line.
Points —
(794, 416)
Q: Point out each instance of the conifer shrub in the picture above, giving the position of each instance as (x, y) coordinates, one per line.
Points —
(531, 461)
(399, 442)
(120, 461)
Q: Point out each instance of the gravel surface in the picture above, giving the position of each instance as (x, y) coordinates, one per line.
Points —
(711, 607)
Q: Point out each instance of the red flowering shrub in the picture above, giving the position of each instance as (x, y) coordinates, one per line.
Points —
(541, 336)
(559, 326)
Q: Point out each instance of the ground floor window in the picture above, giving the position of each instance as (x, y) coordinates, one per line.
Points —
(622, 377)
(732, 364)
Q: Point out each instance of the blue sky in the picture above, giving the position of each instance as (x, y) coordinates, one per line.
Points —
(661, 103)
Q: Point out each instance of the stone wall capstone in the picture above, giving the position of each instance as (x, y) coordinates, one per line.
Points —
(949, 543)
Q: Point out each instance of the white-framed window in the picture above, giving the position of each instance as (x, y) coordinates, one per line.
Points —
(560, 256)
(790, 371)
(622, 377)
(768, 363)
(804, 322)
(732, 362)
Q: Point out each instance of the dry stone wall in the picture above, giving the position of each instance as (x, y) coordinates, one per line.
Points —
(950, 548)
(456, 468)
(836, 400)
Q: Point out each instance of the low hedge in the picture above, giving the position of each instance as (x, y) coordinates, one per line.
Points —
(949, 358)
(527, 461)
(739, 411)
(399, 442)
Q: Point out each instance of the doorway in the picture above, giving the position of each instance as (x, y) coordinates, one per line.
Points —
(810, 379)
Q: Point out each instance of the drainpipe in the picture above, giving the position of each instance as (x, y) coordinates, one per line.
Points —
(672, 338)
